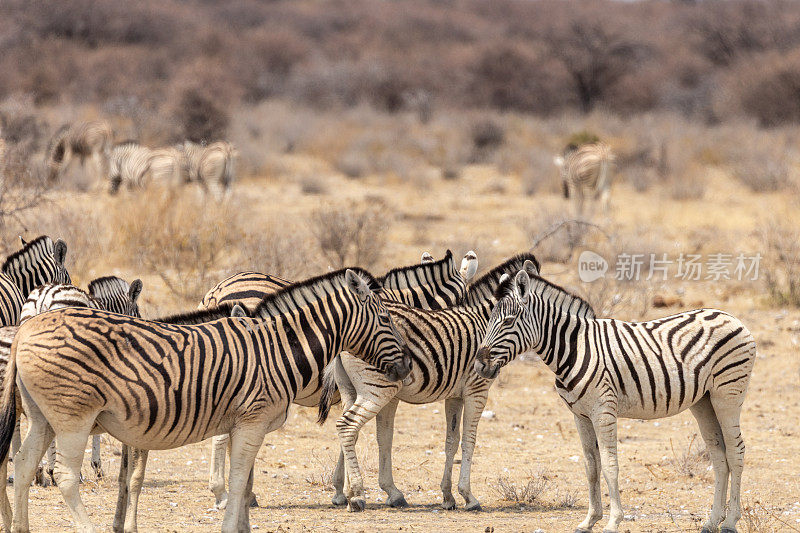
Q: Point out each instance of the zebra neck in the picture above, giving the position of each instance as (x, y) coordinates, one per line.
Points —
(561, 339)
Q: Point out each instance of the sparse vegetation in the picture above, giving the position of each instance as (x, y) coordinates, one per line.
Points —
(781, 262)
(351, 234)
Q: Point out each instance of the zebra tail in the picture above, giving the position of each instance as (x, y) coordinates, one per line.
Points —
(565, 188)
(328, 395)
(8, 411)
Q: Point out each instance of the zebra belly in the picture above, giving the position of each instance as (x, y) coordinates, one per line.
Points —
(138, 436)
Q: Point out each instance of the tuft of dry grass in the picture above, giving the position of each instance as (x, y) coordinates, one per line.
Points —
(781, 262)
(691, 460)
(527, 493)
(351, 233)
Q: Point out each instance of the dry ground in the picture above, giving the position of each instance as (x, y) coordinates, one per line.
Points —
(531, 433)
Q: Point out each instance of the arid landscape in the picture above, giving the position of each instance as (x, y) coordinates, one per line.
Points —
(372, 132)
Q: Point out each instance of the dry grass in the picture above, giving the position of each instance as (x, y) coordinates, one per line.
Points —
(351, 233)
(690, 460)
(528, 493)
(781, 262)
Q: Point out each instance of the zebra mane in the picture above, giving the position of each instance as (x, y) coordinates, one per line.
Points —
(127, 142)
(311, 290)
(549, 291)
(199, 317)
(487, 286)
(422, 270)
(18, 259)
(108, 286)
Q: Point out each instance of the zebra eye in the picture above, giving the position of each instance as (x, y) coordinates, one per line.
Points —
(508, 321)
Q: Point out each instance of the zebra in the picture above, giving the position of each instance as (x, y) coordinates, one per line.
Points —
(586, 168)
(129, 164)
(430, 285)
(109, 293)
(166, 167)
(606, 369)
(443, 344)
(435, 286)
(154, 385)
(210, 166)
(39, 261)
(85, 140)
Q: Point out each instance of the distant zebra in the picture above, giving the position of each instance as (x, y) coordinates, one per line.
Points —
(154, 385)
(85, 140)
(166, 167)
(443, 344)
(211, 166)
(38, 262)
(585, 172)
(430, 285)
(606, 369)
(130, 164)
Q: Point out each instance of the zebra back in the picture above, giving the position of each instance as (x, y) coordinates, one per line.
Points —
(129, 164)
(587, 166)
(116, 295)
(429, 285)
(482, 291)
(39, 262)
(247, 288)
(54, 296)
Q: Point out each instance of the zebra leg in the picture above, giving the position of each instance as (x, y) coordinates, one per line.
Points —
(16, 439)
(348, 427)
(605, 426)
(473, 408)
(97, 465)
(5, 505)
(245, 443)
(715, 444)
(452, 414)
(135, 478)
(216, 481)
(70, 446)
(51, 462)
(122, 493)
(385, 432)
(348, 394)
(728, 411)
(27, 460)
(591, 461)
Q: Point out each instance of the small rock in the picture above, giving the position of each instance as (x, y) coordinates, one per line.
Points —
(488, 415)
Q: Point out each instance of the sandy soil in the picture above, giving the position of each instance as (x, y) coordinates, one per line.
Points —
(531, 434)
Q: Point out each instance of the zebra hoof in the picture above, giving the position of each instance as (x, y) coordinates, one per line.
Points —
(581, 530)
(449, 505)
(221, 504)
(339, 500)
(356, 505)
(474, 507)
(253, 501)
(728, 530)
(10, 480)
(708, 530)
(399, 503)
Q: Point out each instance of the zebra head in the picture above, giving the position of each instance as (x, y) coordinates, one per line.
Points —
(510, 330)
(116, 295)
(373, 336)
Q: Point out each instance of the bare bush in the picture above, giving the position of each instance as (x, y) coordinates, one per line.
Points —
(277, 247)
(763, 167)
(780, 268)
(160, 231)
(690, 461)
(487, 135)
(529, 493)
(202, 115)
(21, 190)
(351, 234)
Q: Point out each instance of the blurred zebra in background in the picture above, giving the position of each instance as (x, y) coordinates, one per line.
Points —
(166, 167)
(85, 140)
(210, 166)
(586, 173)
(130, 164)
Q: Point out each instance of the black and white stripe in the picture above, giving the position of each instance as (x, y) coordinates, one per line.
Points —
(606, 369)
(443, 344)
(130, 165)
(90, 140)
(154, 385)
(586, 173)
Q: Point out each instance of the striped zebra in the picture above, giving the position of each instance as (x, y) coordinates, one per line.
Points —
(166, 167)
(606, 369)
(39, 261)
(443, 344)
(434, 286)
(85, 140)
(129, 164)
(585, 172)
(154, 385)
(430, 285)
(211, 166)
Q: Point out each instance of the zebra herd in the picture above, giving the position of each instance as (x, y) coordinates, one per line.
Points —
(134, 166)
(79, 364)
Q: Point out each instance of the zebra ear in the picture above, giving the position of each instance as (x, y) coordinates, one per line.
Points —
(357, 284)
(135, 290)
(60, 252)
(522, 287)
(238, 312)
(22, 241)
(530, 267)
(426, 258)
(469, 265)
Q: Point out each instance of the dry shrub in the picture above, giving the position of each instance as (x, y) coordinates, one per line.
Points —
(554, 236)
(202, 115)
(764, 166)
(279, 248)
(690, 461)
(161, 232)
(21, 189)
(313, 184)
(766, 87)
(780, 266)
(487, 136)
(529, 493)
(540, 174)
(351, 233)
